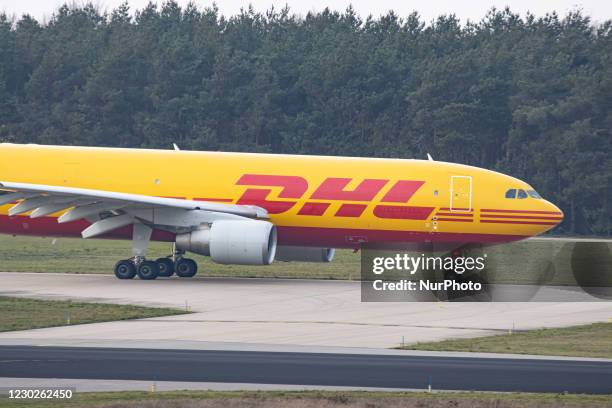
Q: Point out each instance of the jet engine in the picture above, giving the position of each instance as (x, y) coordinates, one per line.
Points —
(237, 242)
(304, 254)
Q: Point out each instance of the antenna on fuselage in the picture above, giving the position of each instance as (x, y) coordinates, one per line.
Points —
(175, 147)
(429, 157)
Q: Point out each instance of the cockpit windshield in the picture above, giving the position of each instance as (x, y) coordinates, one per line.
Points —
(521, 194)
(511, 193)
(533, 194)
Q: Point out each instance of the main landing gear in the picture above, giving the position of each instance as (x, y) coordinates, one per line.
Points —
(163, 267)
(148, 270)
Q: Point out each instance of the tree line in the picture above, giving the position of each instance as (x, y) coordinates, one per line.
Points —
(529, 96)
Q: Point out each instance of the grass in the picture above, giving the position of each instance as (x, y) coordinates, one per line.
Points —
(322, 399)
(32, 254)
(591, 340)
(525, 262)
(24, 314)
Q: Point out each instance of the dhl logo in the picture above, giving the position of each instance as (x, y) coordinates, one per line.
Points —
(332, 189)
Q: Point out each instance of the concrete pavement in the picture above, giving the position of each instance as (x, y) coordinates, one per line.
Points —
(309, 313)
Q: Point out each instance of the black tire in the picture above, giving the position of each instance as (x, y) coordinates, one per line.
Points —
(186, 268)
(166, 267)
(148, 270)
(125, 269)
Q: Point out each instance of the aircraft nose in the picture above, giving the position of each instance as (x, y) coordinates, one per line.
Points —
(555, 211)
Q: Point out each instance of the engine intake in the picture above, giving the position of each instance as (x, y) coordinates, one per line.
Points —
(233, 242)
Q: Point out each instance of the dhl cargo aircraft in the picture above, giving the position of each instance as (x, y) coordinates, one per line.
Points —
(242, 208)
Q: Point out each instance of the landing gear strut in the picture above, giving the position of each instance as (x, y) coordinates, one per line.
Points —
(148, 270)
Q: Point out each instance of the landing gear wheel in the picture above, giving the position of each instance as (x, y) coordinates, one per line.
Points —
(185, 268)
(125, 270)
(166, 267)
(148, 270)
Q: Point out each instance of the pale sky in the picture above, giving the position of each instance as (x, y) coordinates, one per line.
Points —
(474, 10)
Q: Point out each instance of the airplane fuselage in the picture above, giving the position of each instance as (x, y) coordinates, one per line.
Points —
(318, 201)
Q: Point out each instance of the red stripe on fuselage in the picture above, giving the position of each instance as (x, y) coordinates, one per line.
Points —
(521, 211)
(517, 222)
(454, 214)
(463, 210)
(306, 236)
(527, 217)
(344, 237)
(400, 212)
(455, 219)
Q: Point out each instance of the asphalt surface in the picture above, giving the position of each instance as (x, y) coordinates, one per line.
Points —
(405, 372)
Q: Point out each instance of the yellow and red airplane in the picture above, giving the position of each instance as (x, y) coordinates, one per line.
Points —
(246, 208)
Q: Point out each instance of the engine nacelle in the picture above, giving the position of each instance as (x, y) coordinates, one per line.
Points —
(304, 254)
(233, 242)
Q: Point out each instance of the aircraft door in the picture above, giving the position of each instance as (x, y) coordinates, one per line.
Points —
(461, 193)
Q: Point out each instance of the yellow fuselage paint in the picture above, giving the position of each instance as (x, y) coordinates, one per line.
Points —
(215, 176)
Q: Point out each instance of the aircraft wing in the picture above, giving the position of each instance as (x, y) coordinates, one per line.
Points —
(109, 210)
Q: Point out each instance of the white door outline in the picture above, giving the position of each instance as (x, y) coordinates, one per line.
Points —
(451, 195)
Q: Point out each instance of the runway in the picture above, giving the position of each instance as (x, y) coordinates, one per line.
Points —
(348, 370)
(284, 334)
(269, 313)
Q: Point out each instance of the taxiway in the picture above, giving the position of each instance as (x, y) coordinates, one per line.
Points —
(277, 311)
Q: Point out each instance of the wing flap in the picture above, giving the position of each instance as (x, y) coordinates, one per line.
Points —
(169, 213)
(85, 211)
(10, 197)
(107, 225)
(102, 195)
(28, 205)
(51, 208)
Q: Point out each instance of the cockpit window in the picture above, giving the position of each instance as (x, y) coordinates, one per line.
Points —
(511, 193)
(522, 194)
(533, 194)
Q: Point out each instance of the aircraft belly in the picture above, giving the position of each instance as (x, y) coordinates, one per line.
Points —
(287, 235)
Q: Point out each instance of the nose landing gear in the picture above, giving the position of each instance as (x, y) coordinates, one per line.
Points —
(149, 270)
